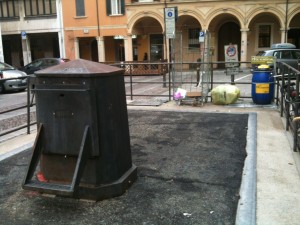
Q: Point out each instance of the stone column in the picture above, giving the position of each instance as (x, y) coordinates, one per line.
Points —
(101, 49)
(26, 50)
(61, 44)
(244, 46)
(283, 35)
(76, 46)
(128, 48)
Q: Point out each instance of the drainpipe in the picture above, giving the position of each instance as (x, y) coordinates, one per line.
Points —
(286, 20)
(98, 24)
(165, 37)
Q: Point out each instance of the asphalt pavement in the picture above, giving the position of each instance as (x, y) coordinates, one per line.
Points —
(276, 188)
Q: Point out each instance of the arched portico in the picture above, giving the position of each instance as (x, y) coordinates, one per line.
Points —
(294, 29)
(147, 37)
(265, 29)
(225, 29)
(186, 43)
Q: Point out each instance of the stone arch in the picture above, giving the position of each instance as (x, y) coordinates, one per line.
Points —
(295, 12)
(294, 27)
(192, 14)
(279, 14)
(265, 28)
(187, 46)
(140, 16)
(225, 29)
(228, 11)
(148, 29)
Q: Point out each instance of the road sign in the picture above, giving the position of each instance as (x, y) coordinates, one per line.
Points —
(231, 55)
(170, 16)
(201, 36)
(23, 35)
(262, 60)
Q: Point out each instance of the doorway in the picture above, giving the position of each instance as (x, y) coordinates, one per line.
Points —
(229, 33)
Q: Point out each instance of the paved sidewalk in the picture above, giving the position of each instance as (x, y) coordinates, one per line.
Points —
(278, 180)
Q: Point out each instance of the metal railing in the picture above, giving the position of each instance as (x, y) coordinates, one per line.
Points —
(169, 76)
(173, 75)
(26, 105)
(288, 89)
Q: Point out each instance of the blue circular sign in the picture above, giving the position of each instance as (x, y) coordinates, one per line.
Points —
(170, 14)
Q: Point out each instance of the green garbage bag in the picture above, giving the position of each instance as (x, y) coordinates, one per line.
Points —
(225, 94)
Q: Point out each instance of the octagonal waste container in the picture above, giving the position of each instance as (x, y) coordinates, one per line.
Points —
(82, 148)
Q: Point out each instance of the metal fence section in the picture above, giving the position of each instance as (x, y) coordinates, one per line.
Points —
(22, 106)
(289, 100)
(150, 81)
(153, 81)
(191, 76)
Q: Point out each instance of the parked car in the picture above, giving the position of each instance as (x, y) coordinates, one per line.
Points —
(12, 79)
(42, 63)
(284, 52)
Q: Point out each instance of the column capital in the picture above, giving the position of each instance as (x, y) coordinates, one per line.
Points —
(244, 29)
(99, 38)
(283, 29)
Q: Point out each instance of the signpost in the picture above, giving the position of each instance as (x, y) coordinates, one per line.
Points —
(170, 17)
(231, 59)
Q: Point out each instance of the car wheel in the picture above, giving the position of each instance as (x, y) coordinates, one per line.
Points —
(2, 88)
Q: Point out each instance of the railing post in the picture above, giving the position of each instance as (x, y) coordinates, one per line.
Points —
(28, 105)
(169, 72)
(131, 88)
(164, 72)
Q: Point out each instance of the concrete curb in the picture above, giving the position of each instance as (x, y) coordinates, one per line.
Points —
(16, 151)
(246, 211)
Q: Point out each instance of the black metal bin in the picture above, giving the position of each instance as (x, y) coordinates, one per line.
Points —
(82, 148)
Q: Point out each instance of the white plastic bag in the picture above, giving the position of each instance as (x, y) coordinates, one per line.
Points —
(179, 94)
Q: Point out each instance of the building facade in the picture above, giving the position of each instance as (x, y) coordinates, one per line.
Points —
(124, 30)
(127, 29)
(30, 29)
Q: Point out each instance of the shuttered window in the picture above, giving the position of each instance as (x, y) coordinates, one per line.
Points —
(40, 7)
(9, 9)
(115, 7)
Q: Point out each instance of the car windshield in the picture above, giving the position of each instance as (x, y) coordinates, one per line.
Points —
(4, 66)
(260, 53)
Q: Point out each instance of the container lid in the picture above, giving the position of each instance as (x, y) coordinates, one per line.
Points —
(263, 66)
(79, 68)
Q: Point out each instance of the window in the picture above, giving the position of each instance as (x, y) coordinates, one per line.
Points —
(115, 7)
(194, 38)
(9, 9)
(80, 9)
(296, 54)
(40, 7)
(264, 36)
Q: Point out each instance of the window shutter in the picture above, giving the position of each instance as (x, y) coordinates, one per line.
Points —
(108, 7)
(123, 7)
